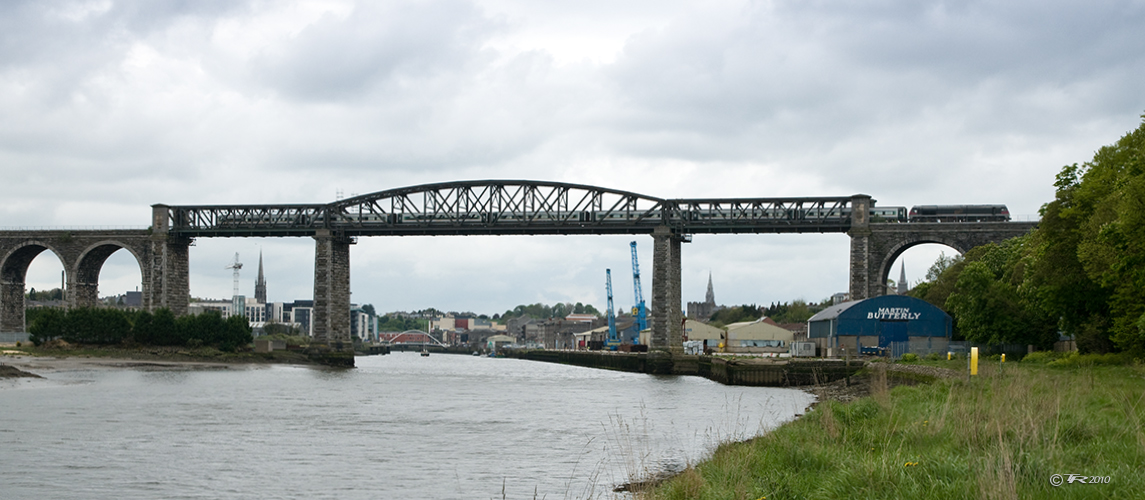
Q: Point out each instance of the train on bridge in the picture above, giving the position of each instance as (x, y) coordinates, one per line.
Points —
(959, 213)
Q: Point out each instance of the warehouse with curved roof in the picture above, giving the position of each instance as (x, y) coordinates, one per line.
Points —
(865, 325)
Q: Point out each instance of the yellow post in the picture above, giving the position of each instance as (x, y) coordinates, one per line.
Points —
(949, 355)
(974, 361)
(1003, 357)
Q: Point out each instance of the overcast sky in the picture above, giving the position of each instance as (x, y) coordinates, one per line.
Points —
(108, 107)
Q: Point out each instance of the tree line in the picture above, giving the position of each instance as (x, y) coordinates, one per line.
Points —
(545, 311)
(114, 326)
(797, 311)
(1080, 273)
(45, 295)
(395, 323)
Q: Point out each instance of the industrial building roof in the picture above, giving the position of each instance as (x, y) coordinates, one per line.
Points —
(758, 330)
(833, 311)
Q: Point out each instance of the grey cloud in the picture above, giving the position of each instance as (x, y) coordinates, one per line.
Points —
(378, 47)
(838, 70)
(1050, 41)
(44, 36)
(910, 103)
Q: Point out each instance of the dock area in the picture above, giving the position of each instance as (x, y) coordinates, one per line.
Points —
(750, 371)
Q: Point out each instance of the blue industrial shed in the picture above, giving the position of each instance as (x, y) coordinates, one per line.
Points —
(879, 321)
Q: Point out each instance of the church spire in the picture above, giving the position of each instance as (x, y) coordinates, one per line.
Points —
(710, 298)
(902, 288)
(260, 283)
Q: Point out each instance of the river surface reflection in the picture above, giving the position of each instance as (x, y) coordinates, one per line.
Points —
(398, 426)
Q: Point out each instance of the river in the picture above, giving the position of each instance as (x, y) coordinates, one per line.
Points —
(399, 426)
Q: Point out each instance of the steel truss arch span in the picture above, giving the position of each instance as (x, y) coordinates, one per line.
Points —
(508, 207)
(497, 207)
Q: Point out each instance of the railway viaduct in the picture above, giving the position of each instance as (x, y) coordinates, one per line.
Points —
(469, 208)
(876, 245)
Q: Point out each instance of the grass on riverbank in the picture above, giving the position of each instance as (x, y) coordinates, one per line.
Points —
(1001, 435)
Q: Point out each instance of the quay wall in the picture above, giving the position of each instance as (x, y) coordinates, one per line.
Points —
(750, 372)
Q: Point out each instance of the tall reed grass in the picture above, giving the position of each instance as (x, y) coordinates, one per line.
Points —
(1000, 435)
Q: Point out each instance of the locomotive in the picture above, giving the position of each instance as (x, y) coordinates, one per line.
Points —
(959, 213)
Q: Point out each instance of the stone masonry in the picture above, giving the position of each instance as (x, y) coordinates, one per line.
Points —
(162, 266)
(860, 234)
(666, 317)
(331, 318)
(875, 246)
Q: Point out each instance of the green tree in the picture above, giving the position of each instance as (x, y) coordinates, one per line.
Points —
(1111, 247)
(235, 334)
(86, 325)
(166, 329)
(1090, 266)
(143, 328)
(799, 311)
(395, 323)
(941, 264)
(544, 311)
(561, 310)
(45, 324)
(993, 301)
(940, 280)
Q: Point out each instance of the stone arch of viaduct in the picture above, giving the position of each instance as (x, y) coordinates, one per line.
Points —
(875, 247)
(163, 267)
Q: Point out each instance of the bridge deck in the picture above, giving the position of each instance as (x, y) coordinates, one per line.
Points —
(513, 208)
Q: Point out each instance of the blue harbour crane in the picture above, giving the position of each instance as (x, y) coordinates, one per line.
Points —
(613, 341)
(638, 311)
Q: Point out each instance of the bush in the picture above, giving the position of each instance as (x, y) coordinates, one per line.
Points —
(87, 325)
(113, 326)
(1074, 360)
(164, 330)
(1040, 357)
(236, 334)
(142, 329)
(47, 324)
(909, 357)
(932, 356)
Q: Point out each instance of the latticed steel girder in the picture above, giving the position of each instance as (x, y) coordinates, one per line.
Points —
(514, 207)
(763, 215)
(247, 220)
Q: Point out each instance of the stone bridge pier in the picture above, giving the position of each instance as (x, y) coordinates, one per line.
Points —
(876, 246)
(332, 290)
(666, 319)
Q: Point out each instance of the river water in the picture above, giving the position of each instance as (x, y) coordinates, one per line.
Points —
(399, 426)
